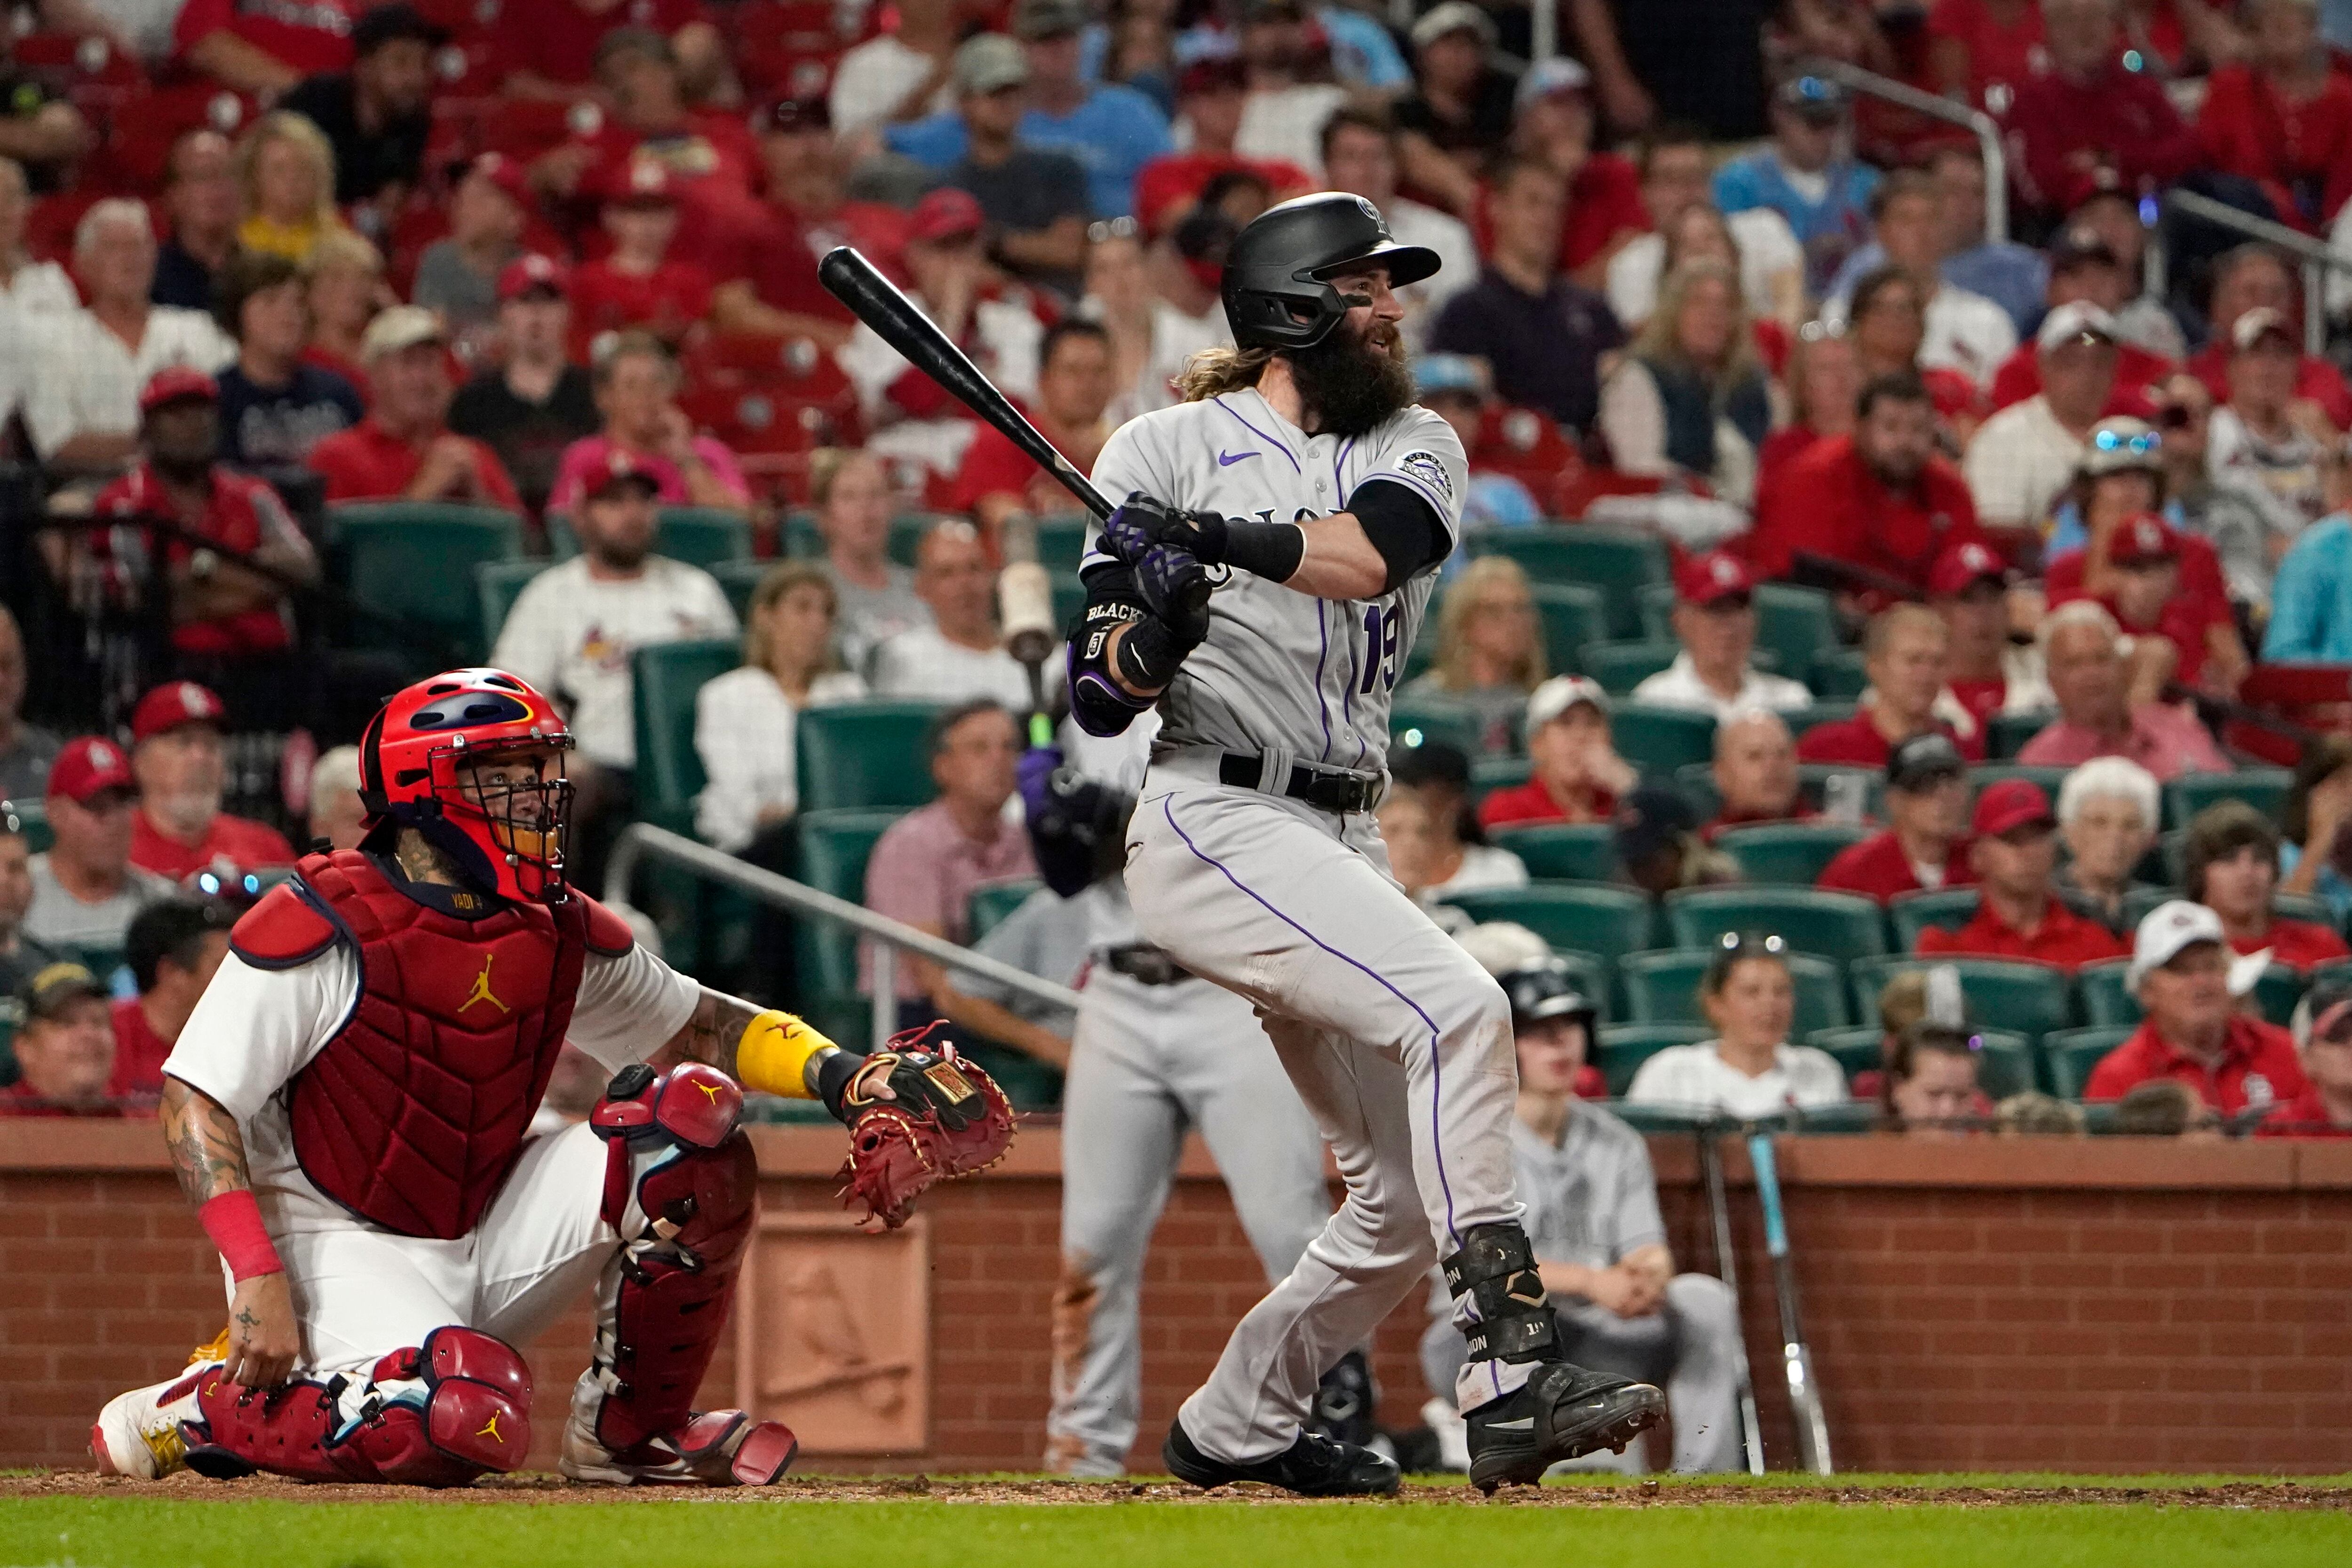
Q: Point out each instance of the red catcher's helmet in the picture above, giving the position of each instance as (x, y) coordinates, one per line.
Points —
(417, 763)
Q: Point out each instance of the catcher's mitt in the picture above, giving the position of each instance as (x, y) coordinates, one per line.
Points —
(947, 1118)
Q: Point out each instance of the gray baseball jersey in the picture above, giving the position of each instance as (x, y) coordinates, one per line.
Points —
(1281, 669)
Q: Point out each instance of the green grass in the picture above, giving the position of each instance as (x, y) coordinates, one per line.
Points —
(100, 1533)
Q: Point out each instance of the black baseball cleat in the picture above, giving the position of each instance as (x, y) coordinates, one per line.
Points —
(1560, 1413)
(1315, 1466)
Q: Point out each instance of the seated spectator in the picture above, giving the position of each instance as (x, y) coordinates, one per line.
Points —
(262, 51)
(273, 407)
(1690, 402)
(2023, 457)
(2102, 712)
(201, 201)
(636, 383)
(2081, 268)
(2231, 865)
(1454, 388)
(926, 867)
(875, 596)
(2036, 1115)
(2257, 276)
(1599, 1241)
(1553, 124)
(1821, 189)
(2088, 122)
(998, 482)
(83, 412)
(2194, 1034)
(1985, 672)
(2315, 850)
(1490, 649)
(2263, 434)
(1886, 318)
(376, 116)
(1930, 1082)
(64, 1047)
(405, 449)
(1674, 159)
(960, 655)
(1925, 844)
(768, 288)
(744, 720)
(1578, 775)
(346, 276)
(2107, 815)
(2013, 850)
(531, 405)
(896, 76)
(287, 171)
(707, 153)
(1542, 336)
(85, 889)
(641, 284)
(557, 48)
(2121, 474)
(2164, 590)
(2248, 527)
(2311, 594)
(1361, 157)
(172, 950)
(1715, 622)
(1284, 114)
(2283, 118)
(1904, 650)
(338, 816)
(2162, 1107)
(1212, 97)
(2322, 1030)
(228, 621)
(1880, 502)
(1749, 1070)
(1825, 385)
(1459, 859)
(2144, 319)
(1150, 337)
(20, 956)
(2011, 276)
(1410, 838)
(181, 766)
(1754, 773)
(27, 284)
(42, 134)
(26, 750)
(1660, 847)
(1961, 332)
(1981, 51)
(1459, 112)
(458, 276)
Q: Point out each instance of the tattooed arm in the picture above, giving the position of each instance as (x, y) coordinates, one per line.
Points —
(209, 1156)
(714, 1030)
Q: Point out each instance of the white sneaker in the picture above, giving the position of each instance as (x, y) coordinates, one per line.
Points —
(140, 1434)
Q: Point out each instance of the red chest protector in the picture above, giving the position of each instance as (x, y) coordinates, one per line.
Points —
(413, 1113)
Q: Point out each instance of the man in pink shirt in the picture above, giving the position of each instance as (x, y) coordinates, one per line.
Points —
(637, 392)
(2091, 675)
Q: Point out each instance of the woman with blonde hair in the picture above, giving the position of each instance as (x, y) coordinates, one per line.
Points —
(1490, 648)
(853, 501)
(286, 168)
(346, 289)
(1691, 400)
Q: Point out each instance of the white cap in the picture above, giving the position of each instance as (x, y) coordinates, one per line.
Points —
(400, 327)
(1558, 695)
(1544, 77)
(2073, 320)
(2169, 927)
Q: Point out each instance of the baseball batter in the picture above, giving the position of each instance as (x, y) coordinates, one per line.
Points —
(349, 1105)
(1262, 585)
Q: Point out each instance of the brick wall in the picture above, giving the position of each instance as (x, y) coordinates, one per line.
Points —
(2112, 1305)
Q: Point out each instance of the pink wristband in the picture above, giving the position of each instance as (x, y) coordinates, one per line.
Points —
(234, 1222)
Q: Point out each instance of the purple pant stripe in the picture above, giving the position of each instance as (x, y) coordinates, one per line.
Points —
(1436, 1073)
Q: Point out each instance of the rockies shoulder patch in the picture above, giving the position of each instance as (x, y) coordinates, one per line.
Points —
(1425, 467)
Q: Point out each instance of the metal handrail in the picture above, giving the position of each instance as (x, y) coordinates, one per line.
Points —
(641, 839)
(1986, 129)
(2315, 256)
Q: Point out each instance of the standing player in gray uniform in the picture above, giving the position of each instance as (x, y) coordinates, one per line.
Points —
(1299, 481)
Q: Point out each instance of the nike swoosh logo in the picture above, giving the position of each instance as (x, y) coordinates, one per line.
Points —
(1227, 459)
(1523, 1424)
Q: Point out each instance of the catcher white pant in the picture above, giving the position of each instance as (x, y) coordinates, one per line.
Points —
(1395, 1038)
(1147, 1062)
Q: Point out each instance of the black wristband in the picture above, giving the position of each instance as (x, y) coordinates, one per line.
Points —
(834, 1072)
(1149, 654)
(1270, 549)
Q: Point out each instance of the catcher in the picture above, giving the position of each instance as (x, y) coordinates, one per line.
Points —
(348, 1107)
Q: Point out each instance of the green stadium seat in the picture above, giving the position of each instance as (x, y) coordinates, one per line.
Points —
(664, 679)
(1488, 774)
(1654, 1118)
(860, 755)
(2264, 789)
(1619, 667)
(1987, 774)
(1841, 927)
(1911, 913)
(1061, 540)
(1563, 851)
(8, 1070)
(1817, 713)
(698, 535)
(1661, 740)
(1574, 614)
(2106, 1001)
(33, 819)
(1618, 561)
(2029, 999)
(1588, 917)
(1626, 1047)
(906, 531)
(496, 585)
(1697, 781)
(1593, 975)
(1663, 988)
(2276, 990)
(1788, 852)
(2008, 733)
(992, 905)
(737, 579)
(1800, 624)
(801, 540)
(1813, 783)
(1658, 612)
(1837, 672)
(1069, 597)
(1856, 1050)
(835, 847)
(2138, 901)
(414, 562)
(2004, 1066)
(2069, 1055)
(2172, 850)
(1418, 720)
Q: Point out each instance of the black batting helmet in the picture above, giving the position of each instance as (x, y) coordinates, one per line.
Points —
(1275, 285)
(1547, 990)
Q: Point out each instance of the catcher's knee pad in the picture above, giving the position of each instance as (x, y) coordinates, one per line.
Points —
(674, 1146)
(1513, 1318)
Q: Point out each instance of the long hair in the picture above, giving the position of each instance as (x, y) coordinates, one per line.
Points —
(1212, 373)
(1481, 577)
(305, 138)
(1899, 1058)
(1660, 338)
(780, 579)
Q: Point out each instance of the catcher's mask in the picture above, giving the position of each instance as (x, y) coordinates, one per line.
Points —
(473, 760)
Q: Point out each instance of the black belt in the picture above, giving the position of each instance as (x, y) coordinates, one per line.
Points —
(1149, 964)
(1324, 789)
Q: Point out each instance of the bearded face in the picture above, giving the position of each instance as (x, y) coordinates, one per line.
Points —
(1354, 379)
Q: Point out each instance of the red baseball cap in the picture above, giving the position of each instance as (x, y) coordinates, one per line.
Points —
(504, 173)
(2008, 805)
(642, 183)
(89, 765)
(947, 214)
(621, 467)
(173, 704)
(1962, 567)
(2143, 537)
(174, 383)
(530, 271)
(1711, 578)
